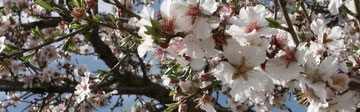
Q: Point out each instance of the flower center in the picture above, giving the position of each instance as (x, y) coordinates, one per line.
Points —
(220, 37)
(316, 76)
(241, 69)
(339, 81)
(252, 27)
(194, 11)
(168, 25)
(159, 53)
(85, 87)
(289, 56)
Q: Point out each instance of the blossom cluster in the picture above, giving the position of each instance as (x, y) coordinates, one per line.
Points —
(255, 53)
(252, 55)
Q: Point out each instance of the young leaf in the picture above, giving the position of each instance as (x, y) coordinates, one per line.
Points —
(44, 5)
(172, 92)
(76, 26)
(97, 18)
(354, 47)
(112, 17)
(150, 30)
(302, 34)
(171, 107)
(78, 3)
(29, 57)
(36, 32)
(69, 44)
(125, 41)
(156, 25)
(101, 73)
(273, 23)
(11, 48)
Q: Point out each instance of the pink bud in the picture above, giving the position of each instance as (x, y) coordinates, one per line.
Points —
(329, 93)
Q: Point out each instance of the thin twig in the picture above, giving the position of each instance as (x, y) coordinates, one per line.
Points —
(282, 4)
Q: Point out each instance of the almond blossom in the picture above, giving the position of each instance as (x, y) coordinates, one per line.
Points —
(252, 22)
(83, 89)
(242, 72)
(193, 13)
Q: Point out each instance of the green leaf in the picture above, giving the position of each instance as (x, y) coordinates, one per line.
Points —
(295, 9)
(97, 18)
(44, 4)
(125, 41)
(171, 107)
(302, 34)
(112, 17)
(353, 46)
(349, 64)
(156, 25)
(87, 35)
(102, 73)
(273, 23)
(76, 26)
(78, 3)
(172, 92)
(36, 32)
(150, 30)
(157, 41)
(11, 48)
(29, 57)
(69, 44)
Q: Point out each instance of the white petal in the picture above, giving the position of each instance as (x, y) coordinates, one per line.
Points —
(329, 67)
(197, 63)
(2, 43)
(318, 26)
(258, 80)
(202, 28)
(208, 6)
(224, 72)
(334, 6)
(279, 70)
(232, 52)
(254, 56)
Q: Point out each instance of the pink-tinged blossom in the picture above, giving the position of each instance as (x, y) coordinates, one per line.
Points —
(47, 74)
(331, 38)
(190, 13)
(251, 22)
(242, 73)
(82, 89)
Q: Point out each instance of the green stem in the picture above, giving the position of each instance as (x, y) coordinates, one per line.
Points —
(302, 4)
(282, 4)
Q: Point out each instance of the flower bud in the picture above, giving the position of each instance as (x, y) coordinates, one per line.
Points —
(78, 12)
(187, 87)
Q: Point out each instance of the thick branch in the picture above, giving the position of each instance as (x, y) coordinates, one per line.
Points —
(155, 91)
(46, 23)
